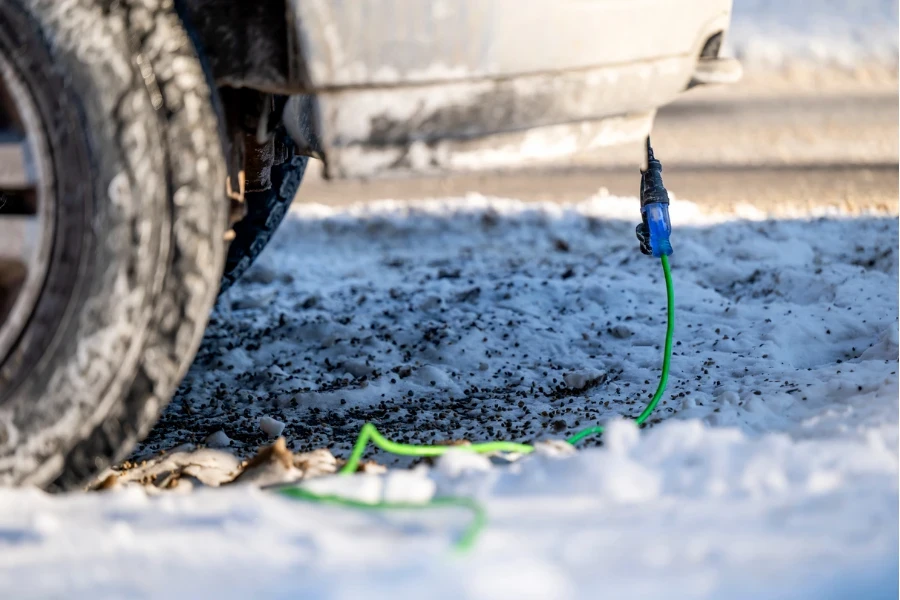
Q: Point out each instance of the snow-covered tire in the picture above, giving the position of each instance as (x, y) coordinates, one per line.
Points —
(138, 169)
(265, 212)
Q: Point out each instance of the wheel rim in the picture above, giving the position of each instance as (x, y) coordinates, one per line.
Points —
(26, 207)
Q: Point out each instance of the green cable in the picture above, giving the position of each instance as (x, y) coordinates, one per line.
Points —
(464, 543)
(370, 433)
(667, 357)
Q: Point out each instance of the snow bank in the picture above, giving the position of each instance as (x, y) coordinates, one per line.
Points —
(770, 470)
(711, 513)
(845, 33)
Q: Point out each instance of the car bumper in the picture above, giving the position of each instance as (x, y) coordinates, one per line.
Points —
(413, 86)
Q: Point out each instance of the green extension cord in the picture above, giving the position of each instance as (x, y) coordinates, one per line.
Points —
(465, 542)
(370, 433)
(667, 359)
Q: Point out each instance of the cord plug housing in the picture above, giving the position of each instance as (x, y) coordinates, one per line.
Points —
(655, 228)
(656, 217)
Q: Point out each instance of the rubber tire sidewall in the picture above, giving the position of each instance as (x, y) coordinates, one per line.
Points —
(196, 167)
(265, 211)
(92, 318)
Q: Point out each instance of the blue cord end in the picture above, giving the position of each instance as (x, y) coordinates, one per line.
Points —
(657, 216)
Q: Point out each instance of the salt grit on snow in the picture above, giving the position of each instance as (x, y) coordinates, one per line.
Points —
(769, 471)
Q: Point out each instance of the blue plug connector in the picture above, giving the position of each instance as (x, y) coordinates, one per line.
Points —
(655, 228)
(656, 215)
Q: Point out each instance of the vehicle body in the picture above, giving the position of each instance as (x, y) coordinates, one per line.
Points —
(422, 87)
(148, 150)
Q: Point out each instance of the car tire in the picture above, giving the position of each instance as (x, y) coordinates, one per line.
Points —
(266, 210)
(130, 155)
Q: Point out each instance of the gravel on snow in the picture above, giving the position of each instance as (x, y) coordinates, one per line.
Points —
(771, 463)
(482, 318)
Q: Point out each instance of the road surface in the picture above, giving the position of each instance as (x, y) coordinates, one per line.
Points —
(774, 142)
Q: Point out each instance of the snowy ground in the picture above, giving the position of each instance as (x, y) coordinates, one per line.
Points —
(465, 318)
(771, 469)
(785, 33)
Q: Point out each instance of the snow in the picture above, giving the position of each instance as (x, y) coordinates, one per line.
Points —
(844, 33)
(271, 427)
(770, 469)
(219, 439)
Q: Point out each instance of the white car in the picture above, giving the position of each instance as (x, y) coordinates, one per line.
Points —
(148, 150)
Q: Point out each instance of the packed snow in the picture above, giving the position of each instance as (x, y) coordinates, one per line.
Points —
(843, 33)
(770, 469)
